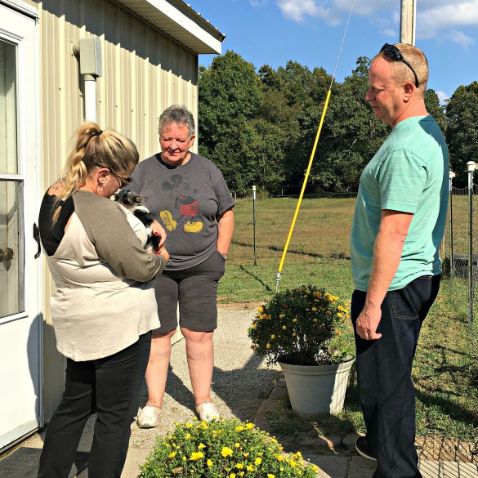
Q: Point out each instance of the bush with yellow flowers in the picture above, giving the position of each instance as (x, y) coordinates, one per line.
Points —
(300, 326)
(223, 449)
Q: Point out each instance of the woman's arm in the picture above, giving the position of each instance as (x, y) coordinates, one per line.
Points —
(225, 224)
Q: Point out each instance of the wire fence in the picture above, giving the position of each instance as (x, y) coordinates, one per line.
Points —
(460, 245)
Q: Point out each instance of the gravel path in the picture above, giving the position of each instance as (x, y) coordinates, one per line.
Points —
(240, 382)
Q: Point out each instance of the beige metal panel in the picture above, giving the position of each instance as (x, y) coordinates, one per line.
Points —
(144, 71)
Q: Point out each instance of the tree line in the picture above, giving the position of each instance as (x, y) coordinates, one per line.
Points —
(259, 125)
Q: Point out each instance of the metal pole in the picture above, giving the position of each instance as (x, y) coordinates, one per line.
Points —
(408, 11)
(452, 254)
(470, 165)
(254, 221)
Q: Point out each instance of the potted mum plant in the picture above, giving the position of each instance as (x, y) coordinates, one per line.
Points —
(223, 449)
(298, 329)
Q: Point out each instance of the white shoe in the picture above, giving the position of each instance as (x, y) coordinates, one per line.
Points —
(148, 417)
(207, 411)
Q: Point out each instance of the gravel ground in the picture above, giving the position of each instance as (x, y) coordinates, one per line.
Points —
(240, 381)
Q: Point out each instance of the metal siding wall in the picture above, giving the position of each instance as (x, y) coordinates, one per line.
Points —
(143, 72)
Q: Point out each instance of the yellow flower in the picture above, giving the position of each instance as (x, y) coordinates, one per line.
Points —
(232, 475)
(189, 425)
(257, 461)
(196, 455)
(239, 428)
(187, 436)
(236, 445)
(268, 346)
(279, 457)
(260, 309)
(209, 463)
(250, 467)
(239, 466)
(201, 446)
(284, 327)
(250, 426)
(273, 337)
(172, 454)
(314, 309)
(226, 451)
(340, 315)
(270, 475)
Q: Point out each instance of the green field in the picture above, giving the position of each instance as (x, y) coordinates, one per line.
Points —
(446, 366)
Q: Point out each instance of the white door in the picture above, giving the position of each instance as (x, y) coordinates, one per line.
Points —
(20, 279)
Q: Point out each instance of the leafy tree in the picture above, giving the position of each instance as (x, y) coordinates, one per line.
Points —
(350, 136)
(229, 92)
(253, 155)
(462, 129)
(434, 107)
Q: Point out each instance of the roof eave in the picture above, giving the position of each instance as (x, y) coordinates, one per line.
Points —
(179, 21)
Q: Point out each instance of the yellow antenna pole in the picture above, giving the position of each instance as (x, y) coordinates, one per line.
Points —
(304, 184)
(311, 159)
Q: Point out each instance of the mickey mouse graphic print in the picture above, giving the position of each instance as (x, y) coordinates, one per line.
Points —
(186, 199)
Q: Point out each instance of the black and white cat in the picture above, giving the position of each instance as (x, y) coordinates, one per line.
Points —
(135, 203)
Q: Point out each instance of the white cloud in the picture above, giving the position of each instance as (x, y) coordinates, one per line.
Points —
(297, 10)
(434, 17)
(443, 97)
(257, 3)
(460, 38)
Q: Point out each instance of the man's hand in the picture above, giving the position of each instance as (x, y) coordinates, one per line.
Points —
(158, 231)
(367, 323)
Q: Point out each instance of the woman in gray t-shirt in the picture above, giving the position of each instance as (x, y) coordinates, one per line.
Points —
(187, 194)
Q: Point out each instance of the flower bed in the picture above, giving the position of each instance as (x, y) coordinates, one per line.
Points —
(223, 449)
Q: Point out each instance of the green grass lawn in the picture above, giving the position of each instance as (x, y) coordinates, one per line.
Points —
(446, 365)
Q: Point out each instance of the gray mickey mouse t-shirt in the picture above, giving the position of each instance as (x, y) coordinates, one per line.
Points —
(186, 200)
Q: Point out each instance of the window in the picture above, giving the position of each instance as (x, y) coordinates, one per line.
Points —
(11, 189)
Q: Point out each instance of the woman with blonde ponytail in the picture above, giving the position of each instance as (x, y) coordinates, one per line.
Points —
(104, 307)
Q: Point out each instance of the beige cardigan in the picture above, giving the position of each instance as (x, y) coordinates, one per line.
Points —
(103, 301)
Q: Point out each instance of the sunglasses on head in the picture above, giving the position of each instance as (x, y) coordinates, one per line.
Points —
(394, 54)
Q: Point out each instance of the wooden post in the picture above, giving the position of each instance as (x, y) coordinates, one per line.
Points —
(408, 21)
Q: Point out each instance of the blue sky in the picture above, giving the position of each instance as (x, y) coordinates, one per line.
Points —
(310, 32)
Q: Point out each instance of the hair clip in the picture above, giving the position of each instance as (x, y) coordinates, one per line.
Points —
(97, 133)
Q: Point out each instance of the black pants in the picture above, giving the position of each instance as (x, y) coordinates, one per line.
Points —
(111, 386)
(384, 369)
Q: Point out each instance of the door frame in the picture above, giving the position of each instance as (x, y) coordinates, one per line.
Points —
(23, 31)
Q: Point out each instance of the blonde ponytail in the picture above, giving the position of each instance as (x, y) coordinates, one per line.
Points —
(94, 148)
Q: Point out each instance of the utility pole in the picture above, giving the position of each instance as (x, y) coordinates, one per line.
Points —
(408, 13)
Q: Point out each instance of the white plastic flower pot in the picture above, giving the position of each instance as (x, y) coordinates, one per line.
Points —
(315, 389)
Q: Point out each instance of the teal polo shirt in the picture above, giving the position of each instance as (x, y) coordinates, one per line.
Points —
(409, 173)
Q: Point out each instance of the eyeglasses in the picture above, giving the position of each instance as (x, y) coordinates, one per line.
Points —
(121, 180)
(394, 54)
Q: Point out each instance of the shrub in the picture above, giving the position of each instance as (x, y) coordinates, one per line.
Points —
(297, 326)
(223, 449)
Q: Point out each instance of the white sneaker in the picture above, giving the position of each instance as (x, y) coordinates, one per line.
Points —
(148, 417)
(207, 411)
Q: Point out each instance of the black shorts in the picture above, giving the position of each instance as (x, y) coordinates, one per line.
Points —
(196, 291)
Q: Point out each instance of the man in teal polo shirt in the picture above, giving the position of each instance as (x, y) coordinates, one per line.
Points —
(397, 228)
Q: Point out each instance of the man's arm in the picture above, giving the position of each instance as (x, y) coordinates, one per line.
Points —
(387, 252)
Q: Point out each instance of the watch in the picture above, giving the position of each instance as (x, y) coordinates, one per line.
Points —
(224, 256)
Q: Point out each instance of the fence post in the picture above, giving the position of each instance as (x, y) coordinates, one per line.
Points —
(254, 222)
(470, 166)
(452, 253)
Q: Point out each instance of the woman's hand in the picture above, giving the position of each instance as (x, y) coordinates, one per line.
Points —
(163, 252)
(159, 231)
